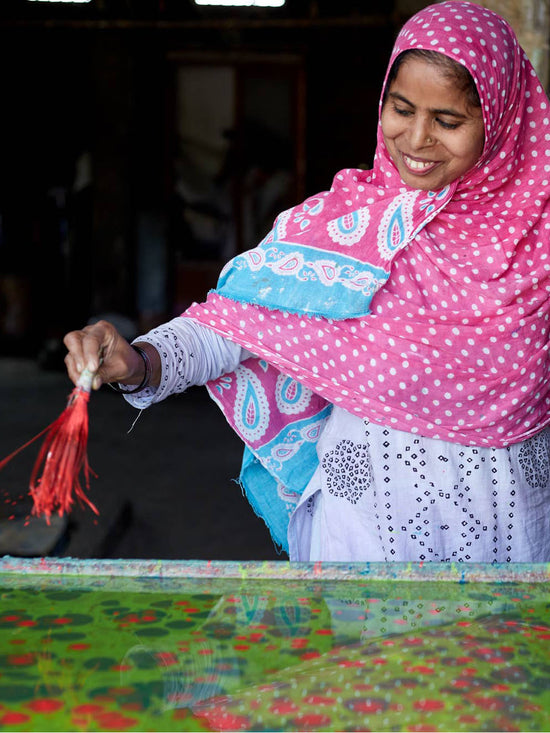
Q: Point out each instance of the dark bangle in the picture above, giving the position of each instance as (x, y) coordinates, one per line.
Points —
(146, 377)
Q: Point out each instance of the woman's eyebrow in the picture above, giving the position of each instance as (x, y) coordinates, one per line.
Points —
(451, 112)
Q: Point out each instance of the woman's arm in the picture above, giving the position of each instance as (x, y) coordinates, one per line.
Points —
(180, 353)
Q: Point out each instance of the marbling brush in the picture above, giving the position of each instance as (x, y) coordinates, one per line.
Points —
(55, 478)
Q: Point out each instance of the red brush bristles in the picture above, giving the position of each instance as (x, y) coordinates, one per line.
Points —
(55, 479)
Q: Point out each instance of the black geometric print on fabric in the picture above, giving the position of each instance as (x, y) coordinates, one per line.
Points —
(348, 470)
(459, 521)
(457, 517)
(534, 458)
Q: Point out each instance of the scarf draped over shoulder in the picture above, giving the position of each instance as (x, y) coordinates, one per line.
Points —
(423, 311)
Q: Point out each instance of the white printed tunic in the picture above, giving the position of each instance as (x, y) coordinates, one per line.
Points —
(381, 494)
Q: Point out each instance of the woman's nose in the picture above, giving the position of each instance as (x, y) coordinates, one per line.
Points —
(420, 134)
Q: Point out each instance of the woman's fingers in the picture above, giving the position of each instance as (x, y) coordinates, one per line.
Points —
(100, 349)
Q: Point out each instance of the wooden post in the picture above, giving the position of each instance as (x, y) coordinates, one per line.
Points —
(530, 19)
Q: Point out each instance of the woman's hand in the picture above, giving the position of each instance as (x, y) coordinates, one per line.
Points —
(103, 351)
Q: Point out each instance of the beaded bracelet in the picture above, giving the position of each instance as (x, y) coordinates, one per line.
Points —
(146, 377)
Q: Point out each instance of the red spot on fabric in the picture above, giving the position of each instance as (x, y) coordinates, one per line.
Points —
(62, 620)
(80, 721)
(414, 640)
(468, 719)
(324, 632)
(219, 720)
(16, 642)
(256, 636)
(87, 709)
(132, 618)
(115, 721)
(204, 652)
(352, 663)
(420, 669)
(21, 659)
(45, 705)
(121, 667)
(14, 718)
(283, 707)
(310, 655)
(461, 683)
(427, 705)
(167, 659)
(319, 700)
(298, 643)
(367, 706)
(379, 660)
(241, 647)
(311, 721)
(79, 647)
(487, 703)
(9, 619)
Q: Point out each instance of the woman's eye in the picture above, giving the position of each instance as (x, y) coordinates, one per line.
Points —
(402, 111)
(447, 125)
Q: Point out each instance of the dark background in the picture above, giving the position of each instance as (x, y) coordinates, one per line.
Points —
(89, 165)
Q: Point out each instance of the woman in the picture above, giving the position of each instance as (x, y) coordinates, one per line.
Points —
(384, 351)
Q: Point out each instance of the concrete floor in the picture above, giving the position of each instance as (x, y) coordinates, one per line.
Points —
(164, 490)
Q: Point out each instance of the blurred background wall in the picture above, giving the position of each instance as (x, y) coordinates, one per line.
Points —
(144, 142)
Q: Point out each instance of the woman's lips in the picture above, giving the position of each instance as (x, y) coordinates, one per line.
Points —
(418, 166)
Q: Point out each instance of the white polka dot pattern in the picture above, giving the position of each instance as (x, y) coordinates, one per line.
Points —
(456, 344)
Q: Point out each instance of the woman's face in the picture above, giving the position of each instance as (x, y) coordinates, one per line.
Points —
(431, 132)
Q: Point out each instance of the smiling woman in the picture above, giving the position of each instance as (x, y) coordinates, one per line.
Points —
(384, 352)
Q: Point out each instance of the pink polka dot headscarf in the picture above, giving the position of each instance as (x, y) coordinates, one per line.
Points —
(425, 312)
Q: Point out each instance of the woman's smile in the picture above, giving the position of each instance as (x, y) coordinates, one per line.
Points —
(418, 166)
